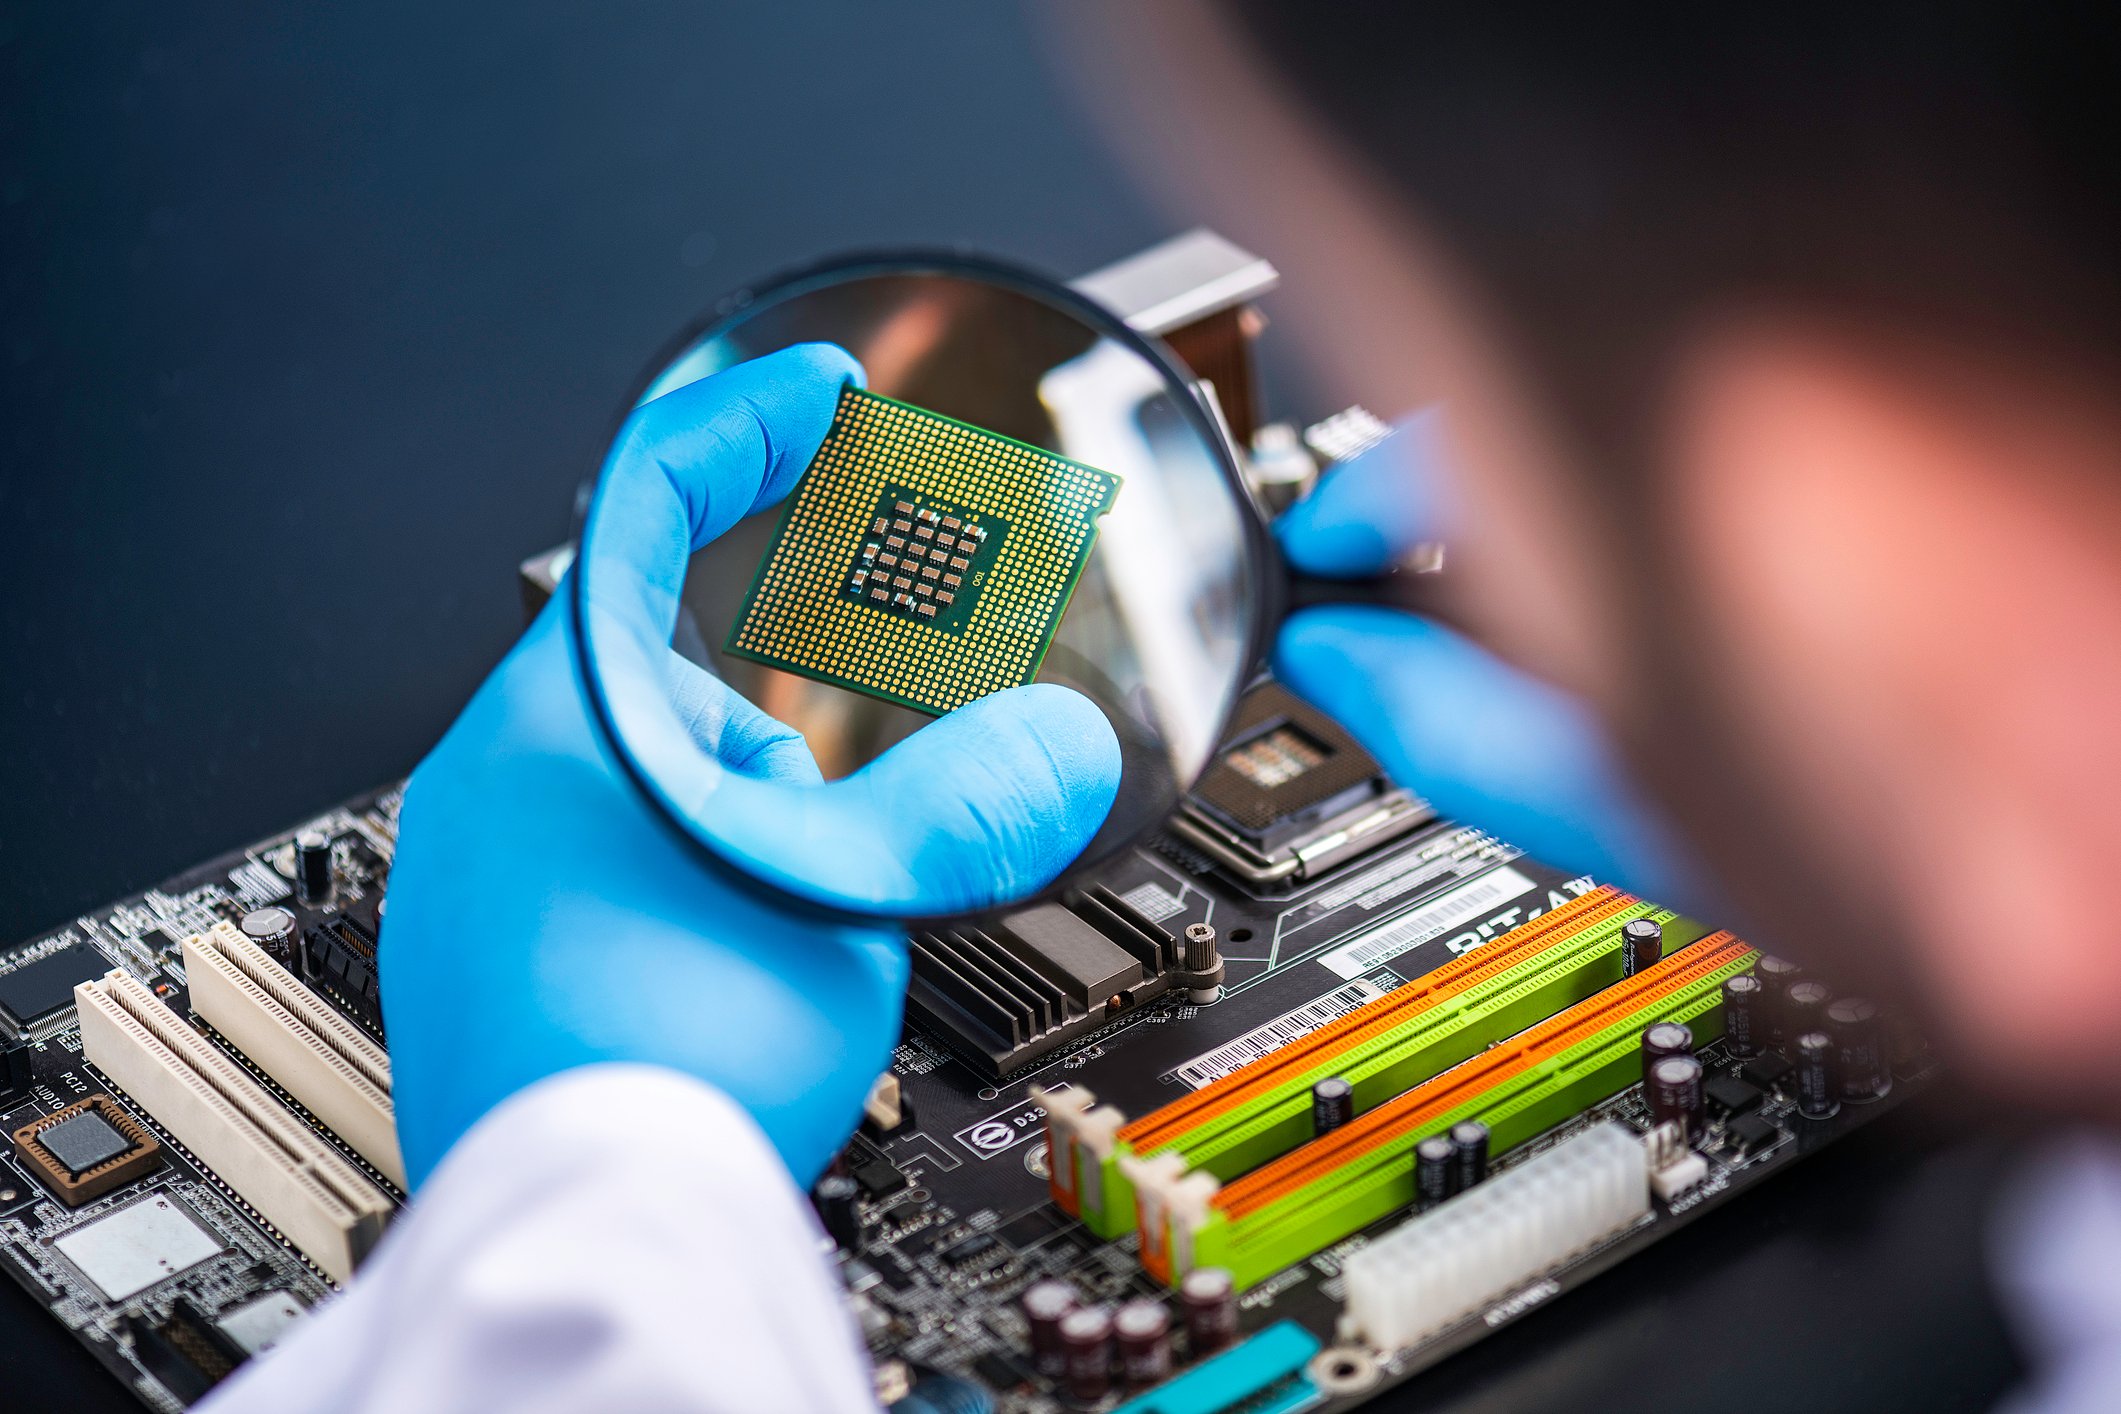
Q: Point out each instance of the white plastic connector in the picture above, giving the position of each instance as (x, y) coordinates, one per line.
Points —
(1172, 1203)
(1080, 1135)
(1449, 1262)
(279, 1166)
(323, 1060)
(886, 1106)
(1674, 1166)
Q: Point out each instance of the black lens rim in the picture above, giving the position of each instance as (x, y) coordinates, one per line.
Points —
(1259, 550)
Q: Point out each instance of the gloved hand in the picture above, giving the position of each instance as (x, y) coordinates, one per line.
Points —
(542, 915)
(1486, 744)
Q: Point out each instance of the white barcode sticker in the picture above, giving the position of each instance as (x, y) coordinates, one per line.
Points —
(1416, 926)
(1264, 1040)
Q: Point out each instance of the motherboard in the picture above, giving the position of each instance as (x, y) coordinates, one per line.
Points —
(1222, 1128)
(1271, 1112)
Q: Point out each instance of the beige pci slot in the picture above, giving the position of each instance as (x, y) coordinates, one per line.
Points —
(278, 1165)
(293, 1035)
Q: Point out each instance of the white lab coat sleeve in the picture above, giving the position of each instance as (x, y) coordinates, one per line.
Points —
(618, 1237)
(2056, 1253)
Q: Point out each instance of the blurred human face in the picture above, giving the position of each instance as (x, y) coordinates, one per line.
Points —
(1892, 754)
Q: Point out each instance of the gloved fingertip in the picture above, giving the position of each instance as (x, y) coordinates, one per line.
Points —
(999, 796)
(1320, 543)
(1335, 635)
(1077, 739)
(826, 362)
(1370, 510)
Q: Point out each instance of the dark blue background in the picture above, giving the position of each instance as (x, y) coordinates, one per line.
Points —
(314, 320)
(311, 323)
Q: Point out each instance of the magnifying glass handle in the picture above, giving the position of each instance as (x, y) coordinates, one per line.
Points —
(1414, 585)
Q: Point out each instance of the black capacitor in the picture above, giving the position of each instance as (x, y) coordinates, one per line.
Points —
(271, 928)
(1864, 1071)
(1661, 1039)
(1142, 1330)
(1776, 974)
(1674, 1092)
(313, 867)
(1818, 1096)
(1469, 1154)
(1433, 1165)
(1804, 1004)
(1641, 946)
(833, 1198)
(1045, 1304)
(1208, 1297)
(1743, 1026)
(1332, 1104)
(1086, 1340)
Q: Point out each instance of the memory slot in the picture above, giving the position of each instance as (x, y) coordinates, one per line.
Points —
(1381, 1049)
(323, 1060)
(1339, 1183)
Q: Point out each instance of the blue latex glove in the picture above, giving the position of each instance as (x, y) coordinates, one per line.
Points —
(1486, 744)
(543, 916)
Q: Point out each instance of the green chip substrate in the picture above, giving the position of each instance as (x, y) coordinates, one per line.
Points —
(920, 559)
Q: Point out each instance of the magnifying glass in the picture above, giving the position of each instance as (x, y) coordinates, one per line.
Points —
(1168, 622)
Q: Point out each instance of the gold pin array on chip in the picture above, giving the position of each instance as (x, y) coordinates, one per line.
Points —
(920, 559)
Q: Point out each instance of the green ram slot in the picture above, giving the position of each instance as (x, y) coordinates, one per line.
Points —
(1576, 966)
(1427, 1045)
(1519, 1108)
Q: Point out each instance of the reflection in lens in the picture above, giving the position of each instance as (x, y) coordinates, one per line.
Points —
(1111, 409)
(1164, 617)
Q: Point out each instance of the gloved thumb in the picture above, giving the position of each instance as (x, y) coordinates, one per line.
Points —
(1373, 509)
(1484, 743)
(994, 800)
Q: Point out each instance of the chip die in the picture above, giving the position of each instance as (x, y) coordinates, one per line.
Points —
(921, 560)
(83, 1141)
(87, 1149)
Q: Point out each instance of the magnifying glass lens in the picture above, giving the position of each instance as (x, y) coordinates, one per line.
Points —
(1159, 632)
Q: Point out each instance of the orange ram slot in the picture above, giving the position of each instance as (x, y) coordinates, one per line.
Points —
(1399, 1118)
(1152, 1131)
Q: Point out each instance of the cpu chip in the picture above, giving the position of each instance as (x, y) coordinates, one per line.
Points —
(921, 560)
